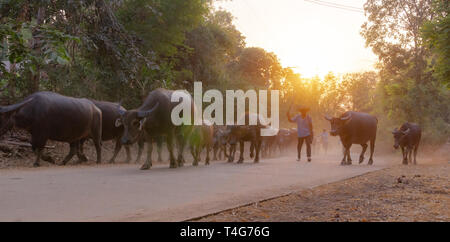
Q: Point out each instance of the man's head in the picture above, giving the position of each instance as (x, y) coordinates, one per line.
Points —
(303, 110)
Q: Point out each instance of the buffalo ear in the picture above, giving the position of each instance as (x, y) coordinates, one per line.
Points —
(118, 122)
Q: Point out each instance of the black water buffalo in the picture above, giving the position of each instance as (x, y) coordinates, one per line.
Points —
(355, 128)
(242, 133)
(408, 138)
(269, 144)
(153, 119)
(285, 138)
(201, 137)
(51, 116)
(112, 128)
(220, 140)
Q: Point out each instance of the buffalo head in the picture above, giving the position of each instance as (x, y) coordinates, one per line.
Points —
(133, 122)
(338, 123)
(399, 135)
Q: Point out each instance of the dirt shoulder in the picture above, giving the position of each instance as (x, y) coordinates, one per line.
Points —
(399, 193)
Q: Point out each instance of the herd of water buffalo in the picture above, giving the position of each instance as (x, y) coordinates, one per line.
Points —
(51, 116)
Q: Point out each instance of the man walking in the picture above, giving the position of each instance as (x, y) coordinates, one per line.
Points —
(304, 131)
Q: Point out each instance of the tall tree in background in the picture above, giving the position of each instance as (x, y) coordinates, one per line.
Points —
(260, 68)
(359, 91)
(436, 33)
(409, 91)
(212, 48)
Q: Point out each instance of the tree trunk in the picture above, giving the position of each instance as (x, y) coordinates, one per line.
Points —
(36, 46)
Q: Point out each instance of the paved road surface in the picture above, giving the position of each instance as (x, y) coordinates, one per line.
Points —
(124, 193)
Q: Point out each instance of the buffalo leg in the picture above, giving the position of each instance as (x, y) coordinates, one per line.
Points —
(37, 144)
(349, 158)
(38, 152)
(173, 163)
(72, 152)
(415, 154)
(252, 148)
(148, 161)
(98, 148)
(80, 152)
(345, 156)
(404, 160)
(181, 143)
(208, 149)
(232, 152)
(241, 150)
(224, 149)
(410, 150)
(159, 147)
(215, 149)
(116, 150)
(257, 150)
(361, 157)
(372, 149)
(194, 153)
(127, 149)
(345, 149)
(140, 149)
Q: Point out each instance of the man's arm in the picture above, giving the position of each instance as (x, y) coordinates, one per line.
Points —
(289, 117)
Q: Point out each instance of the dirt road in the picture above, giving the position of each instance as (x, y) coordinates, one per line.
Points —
(125, 193)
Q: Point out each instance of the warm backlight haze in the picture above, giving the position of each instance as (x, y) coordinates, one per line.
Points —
(312, 38)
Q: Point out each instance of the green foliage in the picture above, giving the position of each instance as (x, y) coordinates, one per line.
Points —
(436, 34)
(408, 90)
(260, 68)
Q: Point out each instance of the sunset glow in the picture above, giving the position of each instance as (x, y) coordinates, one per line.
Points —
(311, 38)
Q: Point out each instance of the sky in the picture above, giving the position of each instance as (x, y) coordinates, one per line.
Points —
(312, 38)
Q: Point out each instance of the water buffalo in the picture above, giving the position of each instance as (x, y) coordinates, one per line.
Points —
(112, 128)
(355, 128)
(220, 140)
(153, 119)
(51, 116)
(408, 138)
(269, 144)
(242, 133)
(201, 137)
(285, 138)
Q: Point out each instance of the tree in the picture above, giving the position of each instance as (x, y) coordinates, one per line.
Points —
(436, 34)
(359, 91)
(409, 90)
(260, 68)
(212, 47)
